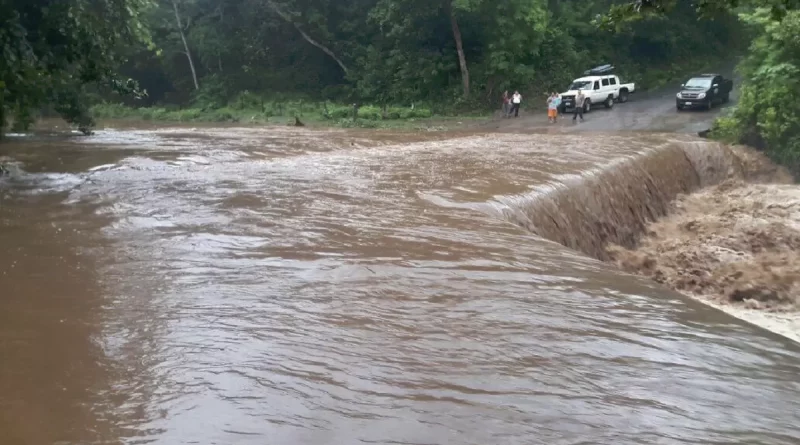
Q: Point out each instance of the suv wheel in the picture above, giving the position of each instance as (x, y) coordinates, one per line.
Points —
(587, 105)
(609, 102)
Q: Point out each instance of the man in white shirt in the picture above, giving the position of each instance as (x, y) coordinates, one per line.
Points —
(516, 100)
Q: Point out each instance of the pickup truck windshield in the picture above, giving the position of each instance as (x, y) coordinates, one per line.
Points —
(580, 85)
(698, 82)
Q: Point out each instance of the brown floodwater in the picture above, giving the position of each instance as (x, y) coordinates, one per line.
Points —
(292, 286)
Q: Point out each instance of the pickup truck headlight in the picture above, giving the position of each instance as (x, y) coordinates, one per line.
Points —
(701, 96)
(678, 95)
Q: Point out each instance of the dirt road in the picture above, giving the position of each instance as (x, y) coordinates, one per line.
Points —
(651, 111)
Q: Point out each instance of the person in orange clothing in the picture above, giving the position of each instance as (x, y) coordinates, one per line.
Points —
(552, 107)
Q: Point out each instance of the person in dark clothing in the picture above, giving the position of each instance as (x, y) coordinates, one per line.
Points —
(579, 100)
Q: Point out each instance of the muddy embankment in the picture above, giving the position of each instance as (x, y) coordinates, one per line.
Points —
(718, 223)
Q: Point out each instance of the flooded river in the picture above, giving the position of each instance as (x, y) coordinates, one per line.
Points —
(288, 286)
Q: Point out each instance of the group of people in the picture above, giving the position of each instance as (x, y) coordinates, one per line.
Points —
(512, 103)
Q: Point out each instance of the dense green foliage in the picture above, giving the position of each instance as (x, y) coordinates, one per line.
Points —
(404, 52)
(49, 51)
(768, 113)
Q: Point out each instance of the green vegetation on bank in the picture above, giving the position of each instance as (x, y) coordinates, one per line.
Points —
(282, 112)
(768, 113)
(50, 50)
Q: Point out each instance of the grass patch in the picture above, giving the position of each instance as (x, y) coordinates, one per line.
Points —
(247, 108)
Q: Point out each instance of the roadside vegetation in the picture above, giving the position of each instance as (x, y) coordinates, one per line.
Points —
(768, 113)
(252, 109)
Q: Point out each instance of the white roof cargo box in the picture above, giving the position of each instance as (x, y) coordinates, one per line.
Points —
(599, 70)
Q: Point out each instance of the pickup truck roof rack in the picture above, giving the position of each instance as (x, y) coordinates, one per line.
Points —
(599, 70)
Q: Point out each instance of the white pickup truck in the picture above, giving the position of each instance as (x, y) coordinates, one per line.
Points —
(599, 89)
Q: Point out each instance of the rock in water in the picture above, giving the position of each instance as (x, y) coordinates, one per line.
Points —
(704, 133)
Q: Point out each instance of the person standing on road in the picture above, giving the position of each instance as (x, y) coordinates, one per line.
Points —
(516, 101)
(552, 107)
(579, 100)
(506, 104)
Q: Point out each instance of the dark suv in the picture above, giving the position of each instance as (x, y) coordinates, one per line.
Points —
(704, 91)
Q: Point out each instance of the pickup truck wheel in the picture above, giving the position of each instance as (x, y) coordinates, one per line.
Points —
(726, 98)
(609, 103)
(623, 96)
(709, 105)
(587, 106)
(679, 107)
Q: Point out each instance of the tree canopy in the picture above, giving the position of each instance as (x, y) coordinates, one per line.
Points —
(51, 49)
(455, 52)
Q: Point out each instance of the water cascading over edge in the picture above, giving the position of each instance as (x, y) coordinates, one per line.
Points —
(613, 203)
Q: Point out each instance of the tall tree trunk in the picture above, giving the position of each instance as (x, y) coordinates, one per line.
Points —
(185, 44)
(221, 11)
(462, 59)
(308, 38)
(2, 110)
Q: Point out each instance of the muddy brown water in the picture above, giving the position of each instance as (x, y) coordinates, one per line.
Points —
(289, 286)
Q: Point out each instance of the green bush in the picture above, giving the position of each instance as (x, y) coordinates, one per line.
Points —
(767, 115)
(243, 108)
(340, 112)
(371, 113)
(247, 101)
(113, 111)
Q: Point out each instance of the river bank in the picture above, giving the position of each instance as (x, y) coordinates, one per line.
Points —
(734, 246)
(295, 113)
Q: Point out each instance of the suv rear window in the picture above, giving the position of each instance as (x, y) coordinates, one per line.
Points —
(613, 81)
(605, 82)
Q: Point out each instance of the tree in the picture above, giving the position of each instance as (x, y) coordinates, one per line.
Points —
(462, 59)
(51, 49)
(187, 51)
(279, 10)
(449, 54)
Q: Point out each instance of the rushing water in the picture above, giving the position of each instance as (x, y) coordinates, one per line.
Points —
(283, 286)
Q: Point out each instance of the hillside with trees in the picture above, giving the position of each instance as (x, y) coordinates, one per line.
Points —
(451, 54)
